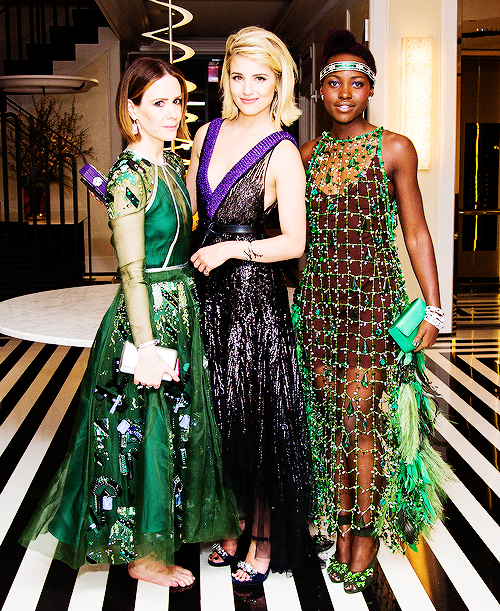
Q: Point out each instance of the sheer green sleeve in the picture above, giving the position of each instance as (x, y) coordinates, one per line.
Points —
(127, 196)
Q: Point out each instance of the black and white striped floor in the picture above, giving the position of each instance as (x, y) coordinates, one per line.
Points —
(458, 568)
(478, 311)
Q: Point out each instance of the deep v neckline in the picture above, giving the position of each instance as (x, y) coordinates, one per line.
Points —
(241, 160)
(214, 198)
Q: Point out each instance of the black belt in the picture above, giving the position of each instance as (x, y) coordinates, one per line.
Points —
(213, 229)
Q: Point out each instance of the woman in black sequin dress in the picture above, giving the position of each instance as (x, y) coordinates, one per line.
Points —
(241, 166)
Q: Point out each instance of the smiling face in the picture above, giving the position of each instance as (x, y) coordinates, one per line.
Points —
(346, 92)
(252, 86)
(159, 113)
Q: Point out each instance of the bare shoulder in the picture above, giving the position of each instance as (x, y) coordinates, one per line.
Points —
(200, 137)
(285, 156)
(307, 150)
(396, 144)
(286, 149)
(398, 151)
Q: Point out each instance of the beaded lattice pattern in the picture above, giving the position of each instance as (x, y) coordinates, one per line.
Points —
(351, 288)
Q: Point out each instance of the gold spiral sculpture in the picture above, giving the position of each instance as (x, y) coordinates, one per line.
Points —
(156, 34)
(161, 36)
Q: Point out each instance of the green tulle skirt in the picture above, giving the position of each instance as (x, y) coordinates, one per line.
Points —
(143, 473)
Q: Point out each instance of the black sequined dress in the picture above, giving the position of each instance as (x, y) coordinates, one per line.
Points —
(250, 345)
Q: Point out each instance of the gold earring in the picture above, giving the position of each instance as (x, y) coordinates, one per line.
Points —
(274, 106)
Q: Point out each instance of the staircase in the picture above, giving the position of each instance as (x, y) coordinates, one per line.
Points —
(45, 32)
(44, 253)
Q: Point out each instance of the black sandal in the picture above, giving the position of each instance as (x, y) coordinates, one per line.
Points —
(359, 581)
(337, 571)
(226, 557)
(256, 578)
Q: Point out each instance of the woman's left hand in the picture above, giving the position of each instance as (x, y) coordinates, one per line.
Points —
(209, 257)
(426, 336)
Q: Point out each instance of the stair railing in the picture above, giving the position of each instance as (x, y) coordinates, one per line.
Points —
(17, 141)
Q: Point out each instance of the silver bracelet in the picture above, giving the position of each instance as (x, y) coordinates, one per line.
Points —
(151, 342)
(436, 310)
(434, 319)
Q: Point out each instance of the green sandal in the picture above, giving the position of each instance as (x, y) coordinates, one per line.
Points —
(336, 570)
(357, 582)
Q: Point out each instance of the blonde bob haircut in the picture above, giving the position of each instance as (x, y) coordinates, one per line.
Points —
(265, 48)
(137, 78)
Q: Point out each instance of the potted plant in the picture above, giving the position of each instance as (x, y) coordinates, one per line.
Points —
(43, 143)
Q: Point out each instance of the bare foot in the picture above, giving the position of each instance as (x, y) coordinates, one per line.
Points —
(154, 572)
(229, 545)
(259, 564)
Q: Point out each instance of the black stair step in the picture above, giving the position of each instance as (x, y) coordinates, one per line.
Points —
(93, 15)
(39, 52)
(16, 67)
(86, 23)
(62, 40)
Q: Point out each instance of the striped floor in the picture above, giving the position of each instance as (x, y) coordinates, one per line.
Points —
(478, 311)
(458, 568)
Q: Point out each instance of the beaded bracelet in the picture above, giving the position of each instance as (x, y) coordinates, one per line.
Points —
(151, 342)
(436, 310)
(434, 316)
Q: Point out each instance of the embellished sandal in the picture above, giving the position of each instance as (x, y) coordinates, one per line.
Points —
(359, 581)
(255, 577)
(226, 557)
(337, 571)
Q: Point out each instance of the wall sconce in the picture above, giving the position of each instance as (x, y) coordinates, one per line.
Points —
(417, 97)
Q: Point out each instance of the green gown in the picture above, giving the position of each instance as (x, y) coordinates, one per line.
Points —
(143, 472)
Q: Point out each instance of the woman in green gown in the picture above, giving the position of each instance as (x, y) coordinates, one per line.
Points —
(143, 473)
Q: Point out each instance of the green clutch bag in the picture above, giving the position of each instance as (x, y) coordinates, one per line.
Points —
(405, 328)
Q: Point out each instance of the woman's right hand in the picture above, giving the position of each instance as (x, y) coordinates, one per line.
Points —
(151, 368)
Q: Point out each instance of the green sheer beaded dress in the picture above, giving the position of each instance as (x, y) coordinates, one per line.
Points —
(143, 472)
(369, 414)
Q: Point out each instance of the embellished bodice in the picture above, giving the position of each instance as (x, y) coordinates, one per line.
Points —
(346, 178)
(239, 198)
(137, 185)
(352, 281)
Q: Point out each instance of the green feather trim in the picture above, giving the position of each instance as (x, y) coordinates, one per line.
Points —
(408, 422)
(422, 475)
(439, 475)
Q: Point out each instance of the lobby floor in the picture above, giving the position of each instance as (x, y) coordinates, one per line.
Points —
(455, 569)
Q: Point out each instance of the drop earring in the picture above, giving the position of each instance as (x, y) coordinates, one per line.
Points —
(135, 127)
(274, 105)
(369, 98)
(322, 97)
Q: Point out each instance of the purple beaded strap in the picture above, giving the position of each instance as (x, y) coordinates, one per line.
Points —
(213, 199)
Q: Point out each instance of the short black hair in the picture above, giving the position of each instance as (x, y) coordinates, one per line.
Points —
(342, 41)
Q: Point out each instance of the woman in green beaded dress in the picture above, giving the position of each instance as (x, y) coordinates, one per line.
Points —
(376, 474)
(143, 473)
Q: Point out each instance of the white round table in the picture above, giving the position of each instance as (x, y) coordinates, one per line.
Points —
(66, 317)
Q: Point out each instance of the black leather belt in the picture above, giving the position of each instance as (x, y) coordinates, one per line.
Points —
(213, 229)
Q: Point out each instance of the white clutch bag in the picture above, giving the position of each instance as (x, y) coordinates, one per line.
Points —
(130, 358)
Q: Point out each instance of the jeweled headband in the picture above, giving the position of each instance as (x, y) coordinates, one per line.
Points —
(350, 65)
